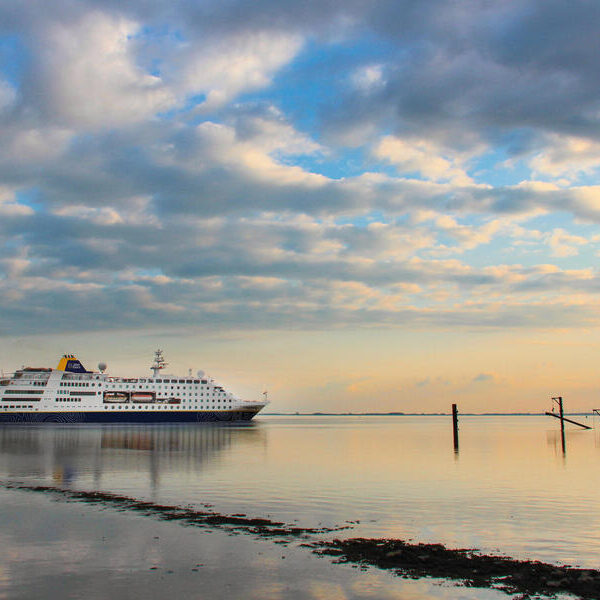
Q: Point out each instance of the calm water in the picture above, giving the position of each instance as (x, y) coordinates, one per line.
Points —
(510, 488)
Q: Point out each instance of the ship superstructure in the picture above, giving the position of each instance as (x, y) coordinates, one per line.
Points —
(72, 394)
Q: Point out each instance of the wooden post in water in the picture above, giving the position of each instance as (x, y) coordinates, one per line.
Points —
(455, 426)
(561, 414)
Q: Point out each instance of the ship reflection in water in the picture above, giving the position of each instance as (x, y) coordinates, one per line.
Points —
(71, 456)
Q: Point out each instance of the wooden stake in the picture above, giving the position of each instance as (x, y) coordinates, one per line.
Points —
(567, 420)
(455, 426)
(561, 416)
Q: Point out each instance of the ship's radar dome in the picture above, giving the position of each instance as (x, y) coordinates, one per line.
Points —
(102, 367)
(200, 374)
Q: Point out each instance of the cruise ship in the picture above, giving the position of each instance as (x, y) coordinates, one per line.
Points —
(72, 394)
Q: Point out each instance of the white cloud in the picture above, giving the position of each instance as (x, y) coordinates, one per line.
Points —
(468, 236)
(587, 200)
(133, 211)
(10, 205)
(222, 68)
(89, 71)
(564, 244)
(272, 134)
(422, 156)
(254, 157)
(566, 156)
(369, 77)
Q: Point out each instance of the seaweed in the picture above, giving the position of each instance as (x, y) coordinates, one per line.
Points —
(464, 566)
(467, 566)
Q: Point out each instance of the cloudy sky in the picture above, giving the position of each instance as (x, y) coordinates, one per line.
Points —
(385, 205)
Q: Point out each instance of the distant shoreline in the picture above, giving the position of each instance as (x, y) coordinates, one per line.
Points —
(403, 414)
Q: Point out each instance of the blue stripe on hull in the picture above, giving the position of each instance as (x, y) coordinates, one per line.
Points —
(126, 417)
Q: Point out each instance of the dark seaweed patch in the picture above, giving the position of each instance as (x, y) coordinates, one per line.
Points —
(185, 515)
(529, 578)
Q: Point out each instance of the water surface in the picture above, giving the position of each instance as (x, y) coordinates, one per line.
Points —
(509, 489)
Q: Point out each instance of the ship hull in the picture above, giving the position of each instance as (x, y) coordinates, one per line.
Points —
(128, 417)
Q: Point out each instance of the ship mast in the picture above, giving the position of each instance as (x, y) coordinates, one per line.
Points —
(159, 362)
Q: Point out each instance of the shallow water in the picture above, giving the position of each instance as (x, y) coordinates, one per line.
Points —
(509, 489)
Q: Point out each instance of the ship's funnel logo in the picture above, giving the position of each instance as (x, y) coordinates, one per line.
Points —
(74, 366)
(70, 363)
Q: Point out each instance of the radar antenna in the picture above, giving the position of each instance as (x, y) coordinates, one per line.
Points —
(159, 362)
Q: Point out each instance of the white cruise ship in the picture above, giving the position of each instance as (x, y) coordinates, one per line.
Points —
(71, 394)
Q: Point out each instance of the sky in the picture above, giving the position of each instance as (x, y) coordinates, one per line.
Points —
(363, 206)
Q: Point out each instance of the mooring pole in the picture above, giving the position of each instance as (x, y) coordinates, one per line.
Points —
(561, 412)
(455, 426)
(561, 416)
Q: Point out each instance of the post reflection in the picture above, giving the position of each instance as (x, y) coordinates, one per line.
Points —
(67, 454)
(556, 439)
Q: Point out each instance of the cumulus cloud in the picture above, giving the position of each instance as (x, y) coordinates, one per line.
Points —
(320, 163)
(10, 205)
(87, 70)
(566, 156)
(565, 244)
(222, 68)
(369, 77)
(423, 157)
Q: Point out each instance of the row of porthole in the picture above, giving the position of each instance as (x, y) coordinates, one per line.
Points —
(151, 389)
